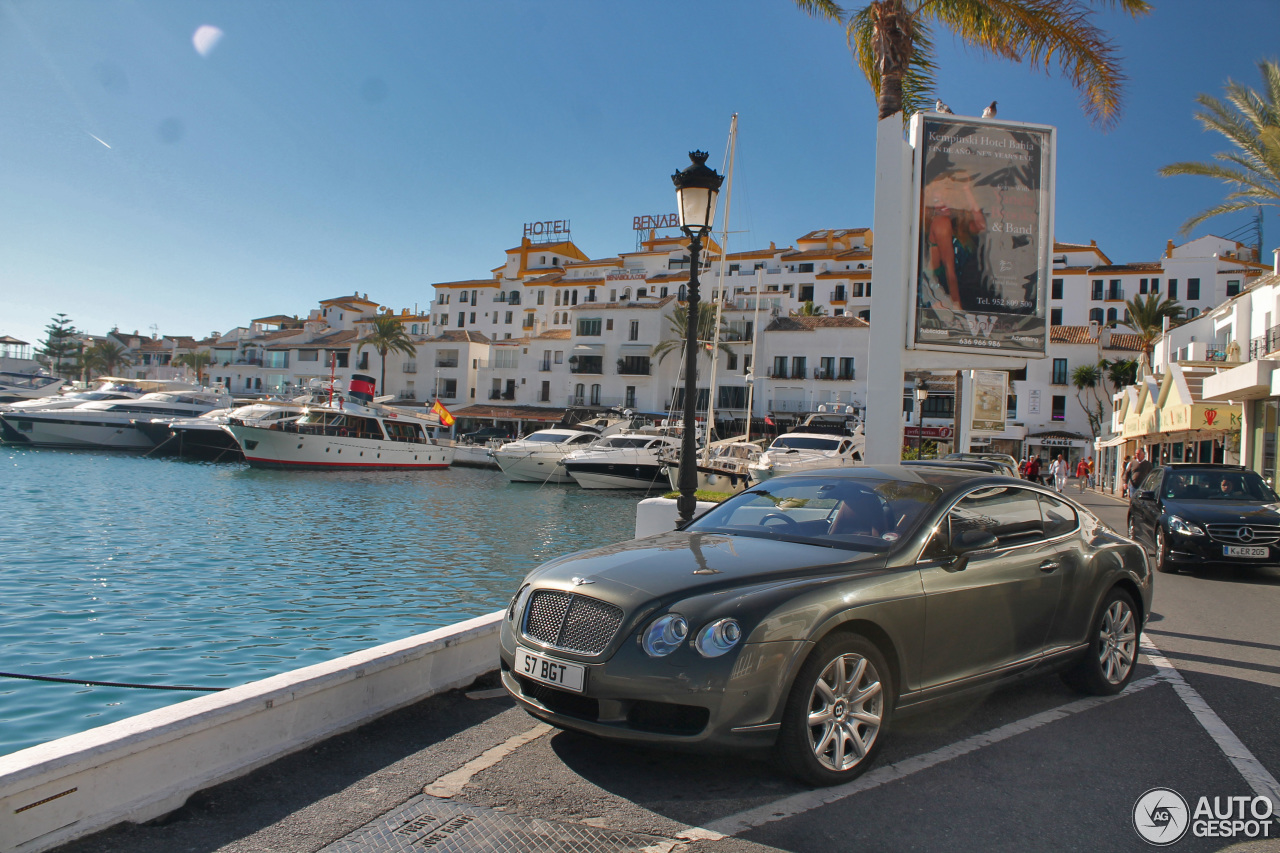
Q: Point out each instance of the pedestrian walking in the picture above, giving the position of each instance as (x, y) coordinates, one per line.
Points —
(1124, 477)
(1024, 467)
(1138, 471)
(1092, 482)
(1033, 469)
(1082, 474)
(1058, 471)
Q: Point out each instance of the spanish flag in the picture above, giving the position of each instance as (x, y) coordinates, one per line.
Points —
(438, 409)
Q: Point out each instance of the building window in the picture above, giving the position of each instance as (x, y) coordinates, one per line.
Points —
(473, 318)
(731, 361)
(1113, 315)
(608, 325)
(463, 297)
(798, 367)
(1173, 288)
(847, 371)
(805, 268)
(589, 328)
(1192, 313)
(1097, 290)
(1233, 287)
(595, 395)
(634, 333)
(732, 397)
(1057, 289)
(1059, 407)
(544, 394)
(629, 397)
(779, 367)
(1155, 285)
(1115, 290)
(1142, 286)
(746, 363)
(507, 318)
(806, 290)
(1055, 316)
(1096, 316)
(1059, 371)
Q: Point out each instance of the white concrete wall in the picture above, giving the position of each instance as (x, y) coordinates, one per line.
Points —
(658, 515)
(142, 767)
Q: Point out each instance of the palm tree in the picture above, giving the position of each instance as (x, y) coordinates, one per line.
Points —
(1122, 372)
(197, 361)
(1251, 122)
(678, 322)
(809, 309)
(893, 44)
(1088, 378)
(1146, 318)
(110, 356)
(387, 334)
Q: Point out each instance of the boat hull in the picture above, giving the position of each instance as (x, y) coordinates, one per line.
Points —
(616, 475)
(212, 444)
(473, 456)
(712, 480)
(75, 433)
(532, 467)
(269, 448)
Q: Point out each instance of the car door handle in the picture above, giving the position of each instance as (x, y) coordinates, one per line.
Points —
(1050, 565)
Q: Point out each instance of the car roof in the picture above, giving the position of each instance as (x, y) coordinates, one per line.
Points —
(943, 475)
(1208, 466)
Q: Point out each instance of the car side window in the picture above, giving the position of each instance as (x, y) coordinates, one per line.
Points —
(1153, 479)
(1011, 514)
(1059, 518)
(939, 544)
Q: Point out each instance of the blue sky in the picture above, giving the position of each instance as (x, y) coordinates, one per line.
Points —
(322, 148)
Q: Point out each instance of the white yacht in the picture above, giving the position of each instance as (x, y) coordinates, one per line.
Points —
(15, 385)
(539, 456)
(204, 437)
(355, 432)
(625, 460)
(807, 451)
(108, 424)
(105, 388)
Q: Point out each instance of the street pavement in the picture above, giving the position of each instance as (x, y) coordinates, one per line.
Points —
(1031, 766)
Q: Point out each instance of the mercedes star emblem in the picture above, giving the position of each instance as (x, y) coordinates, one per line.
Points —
(1244, 534)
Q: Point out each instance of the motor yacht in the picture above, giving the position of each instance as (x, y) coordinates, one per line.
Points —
(539, 456)
(624, 460)
(806, 451)
(723, 469)
(107, 424)
(204, 437)
(15, 385)
(355, 431)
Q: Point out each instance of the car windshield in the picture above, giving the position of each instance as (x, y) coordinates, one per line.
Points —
(845, 513)
(806, 442)
(1208, 484)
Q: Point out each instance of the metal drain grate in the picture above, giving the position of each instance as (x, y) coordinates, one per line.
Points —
(443, 826)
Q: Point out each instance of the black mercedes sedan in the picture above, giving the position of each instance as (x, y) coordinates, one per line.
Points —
(1196, 514)
(802, 614)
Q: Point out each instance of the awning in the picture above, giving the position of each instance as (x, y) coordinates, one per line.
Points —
(635, 349)
(589, 349)
(1115, 441)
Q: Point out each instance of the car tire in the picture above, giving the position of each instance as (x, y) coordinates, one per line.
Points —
(1114, 634)
(1163, 563)
(1133, 531)
(837, 712)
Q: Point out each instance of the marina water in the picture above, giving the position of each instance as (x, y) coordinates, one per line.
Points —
(124, 568)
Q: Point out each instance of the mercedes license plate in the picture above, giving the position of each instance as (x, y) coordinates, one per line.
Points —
(1244, 551)
(562, 674)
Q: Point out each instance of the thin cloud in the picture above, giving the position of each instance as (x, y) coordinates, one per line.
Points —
(206, 38)
(98, 139)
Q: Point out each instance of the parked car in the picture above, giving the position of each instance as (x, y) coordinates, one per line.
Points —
(1196, 514)
(1004, 460)
(484, 434)
(804, 613)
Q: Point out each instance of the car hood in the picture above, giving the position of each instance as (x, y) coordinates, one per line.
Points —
(1223, 512)
(681, 563)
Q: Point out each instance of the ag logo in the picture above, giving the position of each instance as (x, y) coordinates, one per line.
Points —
(1161, 816)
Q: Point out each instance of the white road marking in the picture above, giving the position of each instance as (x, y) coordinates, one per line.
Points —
(451, 784)
(1253, 771)
(800, 803)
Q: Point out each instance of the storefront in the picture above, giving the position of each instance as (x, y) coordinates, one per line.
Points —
(1049, 445)
(1191, 430)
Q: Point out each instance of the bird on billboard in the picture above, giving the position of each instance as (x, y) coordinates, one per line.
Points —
(942, 108)
(990, 112)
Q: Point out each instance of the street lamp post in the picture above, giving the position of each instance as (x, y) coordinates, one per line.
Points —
(921, 395)
(697, 188)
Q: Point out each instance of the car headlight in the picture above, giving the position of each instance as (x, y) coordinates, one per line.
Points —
(517, 601)
(664, 635)
(1186, 528)
(717, 638)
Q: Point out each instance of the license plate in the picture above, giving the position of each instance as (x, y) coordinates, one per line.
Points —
(1244, 551)
(568, 676)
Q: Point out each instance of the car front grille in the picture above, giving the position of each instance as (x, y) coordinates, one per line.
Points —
(1258, 534)
(571, 622)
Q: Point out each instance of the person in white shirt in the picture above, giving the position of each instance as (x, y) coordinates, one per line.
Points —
(1059, 471)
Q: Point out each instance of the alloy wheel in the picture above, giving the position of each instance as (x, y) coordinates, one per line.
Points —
(846, 711)
(1118, 644)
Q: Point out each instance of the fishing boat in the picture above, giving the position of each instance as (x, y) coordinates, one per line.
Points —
(354, 431)
(793, 452)
(724, 469)
(624, 460)
(107, 424)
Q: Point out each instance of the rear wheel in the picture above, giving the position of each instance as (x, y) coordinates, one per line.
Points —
(837, 712)
(1133, 529)
(1107, 667)
(1163, 563)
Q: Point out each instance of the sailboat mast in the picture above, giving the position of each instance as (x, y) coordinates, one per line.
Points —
(755, 336)
(720, 289)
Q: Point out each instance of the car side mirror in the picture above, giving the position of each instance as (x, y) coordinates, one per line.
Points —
(968, 541)
(1147, 495)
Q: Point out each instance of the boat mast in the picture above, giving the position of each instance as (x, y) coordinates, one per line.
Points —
(755, 336)
(724, 257)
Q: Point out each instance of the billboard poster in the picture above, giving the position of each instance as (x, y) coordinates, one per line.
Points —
(990, 391)
(984, 234)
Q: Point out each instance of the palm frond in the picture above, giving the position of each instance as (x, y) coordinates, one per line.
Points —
(825, 10)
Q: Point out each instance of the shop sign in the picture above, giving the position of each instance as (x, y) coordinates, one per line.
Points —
(930, 432)
(623, 276)
(1033, 404)
(983, 234)
(990, 393)
(1199, 416)
(1053, 442)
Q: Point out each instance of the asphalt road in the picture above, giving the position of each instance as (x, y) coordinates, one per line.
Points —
(1031, 766)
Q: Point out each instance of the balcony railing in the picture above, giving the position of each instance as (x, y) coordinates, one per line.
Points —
(592, 400)
(847, 375)
(453, 362)
(838, 295)
(544, 367)
(823, 373)
(788, 406)
(1265, 344)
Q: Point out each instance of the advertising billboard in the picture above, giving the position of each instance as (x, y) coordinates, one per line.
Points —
(990, 391)
(983, 235)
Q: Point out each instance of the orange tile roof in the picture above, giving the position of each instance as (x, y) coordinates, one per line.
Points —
(554, 335)
(808, 324)
(476, 282)
(1080, 335)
